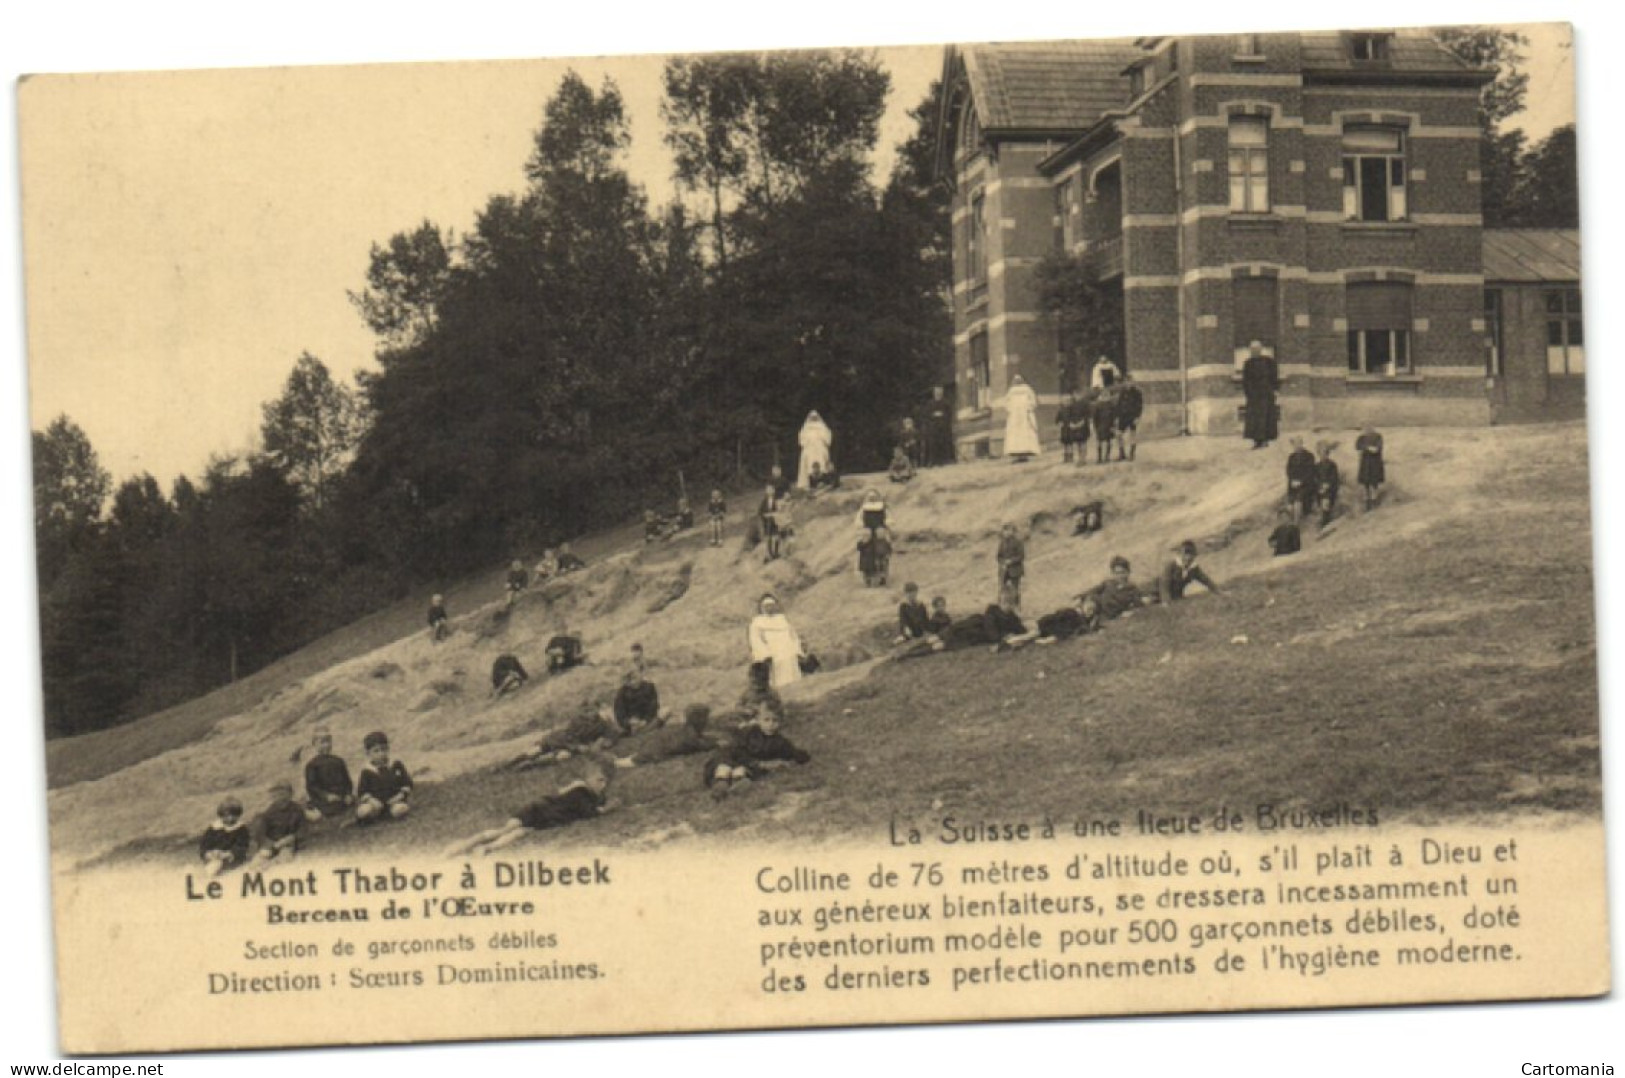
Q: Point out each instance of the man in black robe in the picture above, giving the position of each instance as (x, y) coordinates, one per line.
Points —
(1260, 379)
(939, 428)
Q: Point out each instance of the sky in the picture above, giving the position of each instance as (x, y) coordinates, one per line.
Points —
(98, 35)
(189, 233)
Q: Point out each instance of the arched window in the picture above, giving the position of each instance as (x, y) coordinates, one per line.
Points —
(970, 130)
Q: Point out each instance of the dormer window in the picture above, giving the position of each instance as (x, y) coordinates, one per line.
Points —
(1136, 81)
(1369, 48)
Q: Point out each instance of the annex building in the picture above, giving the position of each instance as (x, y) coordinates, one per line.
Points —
(1318, 193)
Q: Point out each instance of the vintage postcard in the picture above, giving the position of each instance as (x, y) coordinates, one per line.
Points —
(733, 541)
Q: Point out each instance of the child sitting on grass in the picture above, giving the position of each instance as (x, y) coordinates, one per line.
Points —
(507, 674)
(384, 791)
(583, 799)
(225, 844)
(757, 748)
(328, 789)
(281, 826)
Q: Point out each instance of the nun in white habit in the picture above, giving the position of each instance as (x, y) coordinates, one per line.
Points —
(773, 639)
(815, 441)
(1021, 421)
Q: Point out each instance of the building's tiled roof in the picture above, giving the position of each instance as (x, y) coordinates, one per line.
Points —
(1531, 254)
(1051, 86)
(1408, 50)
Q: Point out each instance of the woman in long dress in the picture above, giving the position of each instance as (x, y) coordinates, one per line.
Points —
(774, 640)
(1021, 422)
(815, 441)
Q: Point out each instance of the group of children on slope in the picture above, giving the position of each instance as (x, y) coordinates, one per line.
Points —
(382, 791)
(922, 632)
(1314, 481)
(1110, 412)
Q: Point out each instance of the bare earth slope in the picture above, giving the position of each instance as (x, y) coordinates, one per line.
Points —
(1435, 658)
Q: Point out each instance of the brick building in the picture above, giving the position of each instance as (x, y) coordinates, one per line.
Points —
(1315, 192)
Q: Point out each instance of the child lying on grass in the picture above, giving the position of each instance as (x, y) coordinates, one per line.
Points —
(583, 799)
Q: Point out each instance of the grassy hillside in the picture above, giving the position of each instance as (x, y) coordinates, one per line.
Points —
(1433, 658)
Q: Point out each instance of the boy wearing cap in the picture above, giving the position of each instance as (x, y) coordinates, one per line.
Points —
(384, 790)
(225, 843)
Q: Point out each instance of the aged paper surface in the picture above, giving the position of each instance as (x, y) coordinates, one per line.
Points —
(519, 954)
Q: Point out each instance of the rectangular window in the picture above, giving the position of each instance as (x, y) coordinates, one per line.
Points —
(1136, 81)
(1379, 328)
(981, 371)
(1374, 174)
(976, 241)
(1249, 164)
(1492, 332)
(1249, 45)
(1565, 335)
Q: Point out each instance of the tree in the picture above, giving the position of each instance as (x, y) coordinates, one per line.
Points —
(754, 129)
(1501, 151)
(405, 281)
(70, 488)
(311, 430)
(703, 108)
(1548, 195)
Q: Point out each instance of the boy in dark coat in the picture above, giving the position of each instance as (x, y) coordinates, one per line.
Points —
(669, 742)
(565, 651)
(569, 562)
(280, 826)
(583, 799)
(1328, 480)
(439, 626)
(507, 674)
(518, 580)
(1301, 480)
(1103, 417)
(637, 702)
(913, 620)
(225, 844)
(384, 790)
(328, 789)
(716, 510)
(1118, 594)
(1285, 539)
(1073, 420)
(756, 748)
(1181, 572)
(1083, 616)
(589, 729)
(1130, 406)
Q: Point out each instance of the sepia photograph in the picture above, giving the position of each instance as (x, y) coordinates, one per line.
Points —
(720, 532)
